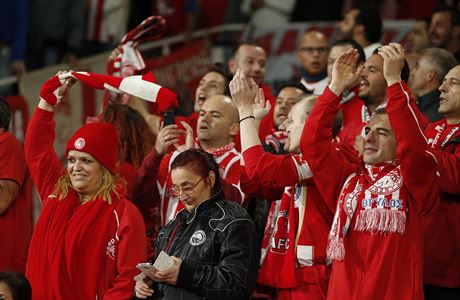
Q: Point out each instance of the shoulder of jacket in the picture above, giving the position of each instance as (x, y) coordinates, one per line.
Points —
(226, 213)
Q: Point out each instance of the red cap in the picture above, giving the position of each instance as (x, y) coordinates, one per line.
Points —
(100, 140)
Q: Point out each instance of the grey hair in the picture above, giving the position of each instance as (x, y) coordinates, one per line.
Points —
(441, 60)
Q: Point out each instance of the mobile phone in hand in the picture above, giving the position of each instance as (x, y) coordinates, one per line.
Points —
(145, 267)
(169, 118)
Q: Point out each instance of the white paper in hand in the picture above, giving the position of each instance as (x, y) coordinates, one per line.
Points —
(163, 262)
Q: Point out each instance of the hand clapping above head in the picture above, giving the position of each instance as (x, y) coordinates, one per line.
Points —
(345, 71)
(393, 62)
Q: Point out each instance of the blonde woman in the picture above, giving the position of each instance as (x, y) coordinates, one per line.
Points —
(79, 249)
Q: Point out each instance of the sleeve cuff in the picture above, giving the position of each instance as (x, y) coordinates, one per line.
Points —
(185, 277)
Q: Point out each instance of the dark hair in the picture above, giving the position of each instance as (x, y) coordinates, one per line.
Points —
(199, 162)
(244, 43)
(220, 68)
(18, 285)
(134, 134)
(453, 13)
(405, 72)
(5, 114)
(354, 44)
(371, 21)
(294, 84)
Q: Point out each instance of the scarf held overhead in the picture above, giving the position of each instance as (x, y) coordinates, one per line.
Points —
(138, 86)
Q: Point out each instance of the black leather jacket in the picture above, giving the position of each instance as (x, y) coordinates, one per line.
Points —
(218, 246)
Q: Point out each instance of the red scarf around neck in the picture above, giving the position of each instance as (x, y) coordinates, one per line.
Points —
(376, 192)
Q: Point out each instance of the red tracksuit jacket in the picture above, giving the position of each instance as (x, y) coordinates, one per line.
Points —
(376, 266)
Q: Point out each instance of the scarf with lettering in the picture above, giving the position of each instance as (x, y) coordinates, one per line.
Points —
(278, 256)
(375, 194)
(440, 134)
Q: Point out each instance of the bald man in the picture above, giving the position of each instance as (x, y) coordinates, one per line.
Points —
(312, 54)
(217, 125)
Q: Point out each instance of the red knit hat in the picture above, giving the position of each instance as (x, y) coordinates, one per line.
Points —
(100, 140)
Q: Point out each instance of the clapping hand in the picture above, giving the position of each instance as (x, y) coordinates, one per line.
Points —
(393, 62)
(345, 71)
(261, 107)
(243, 91)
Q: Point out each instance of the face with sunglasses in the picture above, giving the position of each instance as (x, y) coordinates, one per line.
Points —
(190, 187)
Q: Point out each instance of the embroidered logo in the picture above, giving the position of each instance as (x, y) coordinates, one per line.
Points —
(79, 143)
(110, 250)
(198, 238)
(388, 184)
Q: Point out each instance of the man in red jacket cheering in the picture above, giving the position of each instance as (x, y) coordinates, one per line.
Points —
(375, 240)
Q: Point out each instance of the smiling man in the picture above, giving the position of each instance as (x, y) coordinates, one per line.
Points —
(376, 235)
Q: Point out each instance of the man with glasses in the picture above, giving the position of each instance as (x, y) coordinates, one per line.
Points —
(312, 54)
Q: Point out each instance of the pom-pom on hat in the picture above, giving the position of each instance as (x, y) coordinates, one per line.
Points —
(100, 140)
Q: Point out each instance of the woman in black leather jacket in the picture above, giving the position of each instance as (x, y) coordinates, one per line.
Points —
(212, 241)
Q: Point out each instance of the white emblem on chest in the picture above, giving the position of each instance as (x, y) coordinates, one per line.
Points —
(388, 184)
(198, 238)
(110, 250)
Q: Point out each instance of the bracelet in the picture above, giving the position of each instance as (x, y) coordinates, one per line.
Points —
(248, 117)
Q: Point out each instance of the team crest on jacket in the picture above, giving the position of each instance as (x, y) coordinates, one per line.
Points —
(388, 184)
(198, 238)
(110, 250)
(79, 143)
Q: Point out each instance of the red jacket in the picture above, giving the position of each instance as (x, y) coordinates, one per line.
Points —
(78, 251)
(442, 234)
(306, 211)
(354, 117)
(16, 222)
(376, 266)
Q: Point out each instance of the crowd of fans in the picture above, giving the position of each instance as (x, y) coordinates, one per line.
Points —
(343, 184)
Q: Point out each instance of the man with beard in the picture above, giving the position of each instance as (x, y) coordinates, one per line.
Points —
(445, 30)
(372, 89)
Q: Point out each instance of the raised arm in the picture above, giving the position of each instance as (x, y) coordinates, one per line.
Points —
(418, 165)
(329, 164)
(44, 164)
(267, 169)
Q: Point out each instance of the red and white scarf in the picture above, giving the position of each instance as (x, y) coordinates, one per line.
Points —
(139, 86)
(276, 139)
(376, 192)
(441, 134)
(129, 61)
